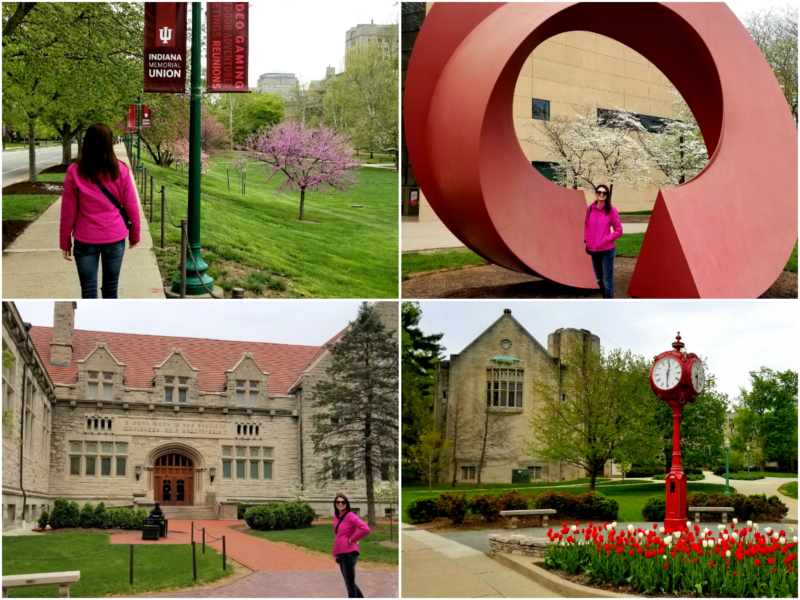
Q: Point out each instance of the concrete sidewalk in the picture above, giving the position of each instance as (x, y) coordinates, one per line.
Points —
(432, 235)
(34, 268)
(436, 567)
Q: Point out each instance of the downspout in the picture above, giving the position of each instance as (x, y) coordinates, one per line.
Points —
(300, 406)
(22, 418)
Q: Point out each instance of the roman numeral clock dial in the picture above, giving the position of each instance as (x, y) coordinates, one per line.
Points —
(667, 373)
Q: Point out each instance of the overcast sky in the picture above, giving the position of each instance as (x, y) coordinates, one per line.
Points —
(306, 36)
(734, 337)
(305, 323)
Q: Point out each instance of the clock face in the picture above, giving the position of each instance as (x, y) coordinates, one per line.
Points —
(505, 345)
(698, 376)
(667, 373)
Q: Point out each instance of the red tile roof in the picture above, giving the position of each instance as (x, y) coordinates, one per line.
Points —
(140, 353)
(299, 381)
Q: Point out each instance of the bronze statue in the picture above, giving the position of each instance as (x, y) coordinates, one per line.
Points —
(157, 513)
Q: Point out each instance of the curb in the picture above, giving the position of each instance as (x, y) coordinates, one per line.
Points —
(529, 568)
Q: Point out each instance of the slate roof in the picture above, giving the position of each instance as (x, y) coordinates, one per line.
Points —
(140, 353)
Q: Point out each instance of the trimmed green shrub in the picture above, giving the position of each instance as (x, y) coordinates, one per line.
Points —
(240, 510)
(138, 518)
(73, 515)
(487, 506)
(689, 477)
(738, 476)
(606, 509)
(44, 519)
(655, 509)
(452, 506)
(260, 518)
(293, 515)
(290, 515)
(281, 516)
(87, 516)
(100, 516)
(589, 505)
(423, 510)
(307, 516)
(58, 518)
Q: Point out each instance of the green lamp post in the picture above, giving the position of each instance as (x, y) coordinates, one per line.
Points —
(727, 462)
(748, 462)
(139, 135)
(196, 267)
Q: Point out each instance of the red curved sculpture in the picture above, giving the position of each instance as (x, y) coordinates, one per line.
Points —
(727, 233)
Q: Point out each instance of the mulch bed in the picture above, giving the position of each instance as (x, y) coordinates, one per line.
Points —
(12, 230)
(492, 281)
(88, 530)
(58, 168)
(608, 587)
(476, 523)
(40, 188)
(634, 218)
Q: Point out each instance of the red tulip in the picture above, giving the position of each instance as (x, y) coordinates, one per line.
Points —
(666, 565)
(711, 563)
(758, 562)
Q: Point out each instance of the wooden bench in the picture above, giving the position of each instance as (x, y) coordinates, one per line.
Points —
(711, 509)
(515, 514)
(63, 580)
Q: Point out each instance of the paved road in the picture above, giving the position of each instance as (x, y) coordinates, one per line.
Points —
(15, 162)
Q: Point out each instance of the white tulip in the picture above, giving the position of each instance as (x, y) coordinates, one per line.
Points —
(609, 527)
(755, 526)
(768, 531)
(688, 524)
(794, 539)
(661, 529)
(614, 524)
(735, 536)
(727, 554)
(705, 543)
(641, 534)
(749, 523)
(668, 540)
(782, 541)
(574, 528)
(677, 535)
(735, 521)
(720, 526)
(630, 528)
(725, 536)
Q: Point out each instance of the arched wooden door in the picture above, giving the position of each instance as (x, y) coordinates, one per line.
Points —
(173, 480)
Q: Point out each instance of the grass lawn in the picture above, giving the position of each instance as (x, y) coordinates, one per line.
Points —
(349, 253)
(59, 177)
(771, 474)
(418, 262)
(26, 207)
(631, 495)
(628, 244)
(156, 568)
(789, 489)
(320, 538)
(638, 212)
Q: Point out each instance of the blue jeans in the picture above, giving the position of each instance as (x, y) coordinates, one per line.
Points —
(603, 263)
(87, 257)
(347, 565)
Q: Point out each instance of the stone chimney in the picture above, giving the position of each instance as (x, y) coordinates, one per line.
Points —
(63, 330)
(330, 72)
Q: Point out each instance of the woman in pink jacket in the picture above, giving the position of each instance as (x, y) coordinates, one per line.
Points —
(98, 208)
(600, 228)
(349, 529)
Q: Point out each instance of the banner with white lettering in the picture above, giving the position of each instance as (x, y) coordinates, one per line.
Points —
(165, 47)
(145, 116)
(227, 24)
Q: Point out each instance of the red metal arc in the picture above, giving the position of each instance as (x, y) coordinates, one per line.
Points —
(727, 233)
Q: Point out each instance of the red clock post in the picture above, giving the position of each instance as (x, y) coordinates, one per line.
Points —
(676, 377)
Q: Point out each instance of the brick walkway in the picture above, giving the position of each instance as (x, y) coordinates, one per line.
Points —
(276, 567)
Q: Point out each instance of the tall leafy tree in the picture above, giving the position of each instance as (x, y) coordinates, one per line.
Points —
(355, 428)
(419, 355)
(767, 416)
(590, 402)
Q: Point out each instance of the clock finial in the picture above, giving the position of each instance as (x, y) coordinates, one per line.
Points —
(678, 344)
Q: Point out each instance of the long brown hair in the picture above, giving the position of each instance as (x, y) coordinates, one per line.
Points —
(607, 207)
(96, 156)
(346, 499)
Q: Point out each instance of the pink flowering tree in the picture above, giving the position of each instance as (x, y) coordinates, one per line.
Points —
(180, 151)
(315, 159)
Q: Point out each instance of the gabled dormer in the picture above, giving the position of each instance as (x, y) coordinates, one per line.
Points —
(100, 375)
(247, 385)
(175, 380)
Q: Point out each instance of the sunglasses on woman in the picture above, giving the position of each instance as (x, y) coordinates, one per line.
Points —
(340, 502)
(602, 193)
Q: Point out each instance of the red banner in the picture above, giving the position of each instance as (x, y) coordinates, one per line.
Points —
(165, 47)
(145, 116)
(227, 24)
(132, 115)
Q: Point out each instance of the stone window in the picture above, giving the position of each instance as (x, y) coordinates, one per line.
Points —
(97, 459)
(101, 385)
(385, 468)
(121, 464)
(504, 387)
(91, 463)
(75, 447)
(267, 469)
(343, 470)
(46, 431)
(226, 451)
(254, 469)
(176, 387)
(122, 448)
(30, 419)
(267, 452)
(240, 474)
(540, 109)
(226, 469)
(74, 465)
(98, 424)
(248, 430)
(239, 451)
(246, 393)
(467, 473)
(105, 466)
(8, 387)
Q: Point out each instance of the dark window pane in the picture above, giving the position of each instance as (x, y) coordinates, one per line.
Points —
(74, 465)
(226, 469)
(105, 467)
(541, 110)
(90, 465)
(121, 467)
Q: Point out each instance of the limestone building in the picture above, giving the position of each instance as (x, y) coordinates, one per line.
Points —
(280, 83)
(129, 419)
(494, 374)
(384, 35)
(569, 69)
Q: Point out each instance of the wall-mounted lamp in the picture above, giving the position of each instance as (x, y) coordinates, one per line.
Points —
(213, 472)
(138, 471)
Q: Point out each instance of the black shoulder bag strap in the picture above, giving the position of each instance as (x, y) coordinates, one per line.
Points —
(335, 533)
(118, 206)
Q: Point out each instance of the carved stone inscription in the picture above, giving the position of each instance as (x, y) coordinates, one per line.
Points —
(174, 428)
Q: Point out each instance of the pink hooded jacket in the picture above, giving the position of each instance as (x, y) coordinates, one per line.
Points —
(88, 215)
(353, 529)
(597, 228)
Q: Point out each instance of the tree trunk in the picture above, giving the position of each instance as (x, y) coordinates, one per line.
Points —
(32, 150)
(80, 140)
(592, 479)
(483, 446)
(368, 472)
(67, 136)
(302, 201)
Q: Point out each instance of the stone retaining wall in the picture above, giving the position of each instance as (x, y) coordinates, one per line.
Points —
(520, 545)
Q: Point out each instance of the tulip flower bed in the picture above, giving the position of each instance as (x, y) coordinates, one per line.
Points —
(736, 563)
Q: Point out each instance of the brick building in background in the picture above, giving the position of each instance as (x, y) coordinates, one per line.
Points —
(129, 419)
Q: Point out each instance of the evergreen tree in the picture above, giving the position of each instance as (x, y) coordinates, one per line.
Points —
(355, 426)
